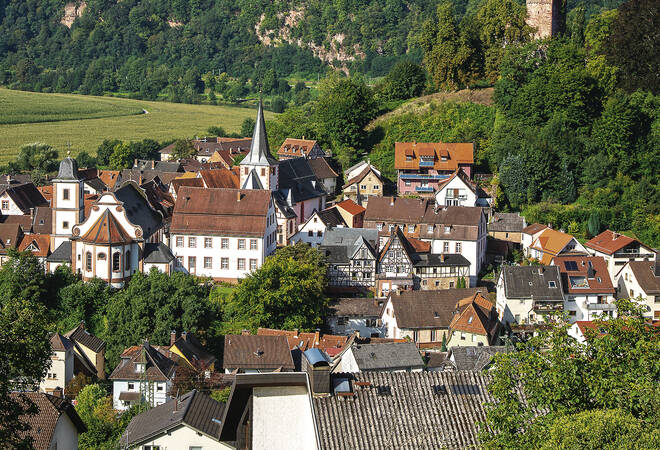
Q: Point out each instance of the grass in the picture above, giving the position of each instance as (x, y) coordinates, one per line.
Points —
(81, 123)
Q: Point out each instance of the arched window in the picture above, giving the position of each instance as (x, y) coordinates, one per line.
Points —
(101, 256)
(127, 263)
(88, 261)
(116, 260)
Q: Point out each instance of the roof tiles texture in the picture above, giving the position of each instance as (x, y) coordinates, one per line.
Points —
(428, 309)
(387, 355)
(644, 274)
(578, 266)
(322, 169)
(609, 242)
(445, 156)
(257, 352)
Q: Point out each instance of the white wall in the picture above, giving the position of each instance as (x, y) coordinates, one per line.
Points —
(456, 183)
(354, 324)
(62, 367)
(184, 437)
(159, 396)
(65, 435)
(578, 304)
(630, 288)
(12, 209)
(282, 418)
(316, 226)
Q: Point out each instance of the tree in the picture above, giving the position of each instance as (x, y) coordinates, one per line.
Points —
(83, 302)
(286, 292)
(278, 105)
(183, 149)
(616, 368)
(37, 156)
(85, 160)
(439, 39)
(76, 384)
(221, 395)
(405, 80)
(247, 127)
(593, 224)
(22, 277)
(122, 157)
(217, 131)
(104, 151)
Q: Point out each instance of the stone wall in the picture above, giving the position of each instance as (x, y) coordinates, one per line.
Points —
(545, 16)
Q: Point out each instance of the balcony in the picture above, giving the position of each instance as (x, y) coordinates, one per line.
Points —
(422, 176)
(548, 306)
(601, 306)
(456, 197)
(425, 163)
(424, 189)
(632, 254)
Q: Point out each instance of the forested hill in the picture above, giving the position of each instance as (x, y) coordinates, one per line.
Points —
(147, 45)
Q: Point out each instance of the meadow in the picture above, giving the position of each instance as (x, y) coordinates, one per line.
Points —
(80, 123)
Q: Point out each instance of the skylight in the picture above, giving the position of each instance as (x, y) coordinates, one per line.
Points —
(552, 284)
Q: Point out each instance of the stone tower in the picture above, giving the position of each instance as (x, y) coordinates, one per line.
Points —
(259, 170)
(546, 16)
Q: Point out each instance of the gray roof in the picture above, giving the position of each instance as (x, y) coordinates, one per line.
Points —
(296, 180)
(512, 222)
(194, 409)
(387, 356)
(435, 260)
(355, 307)
(68, 169)
(259, 154)
(474, 358)
(331, 217)
(412, 416)
(81, 336)
(96, 184)
(138, 209)
(428, 309)
(344, 253)
(532, 281)
(347, 236)
(157, 253)
(61, 253)
(283, 206)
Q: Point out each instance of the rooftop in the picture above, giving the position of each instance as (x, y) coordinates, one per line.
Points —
(257, 352)
(428, 309)
(387, 355)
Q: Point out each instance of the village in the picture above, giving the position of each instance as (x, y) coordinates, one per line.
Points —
(427, 283)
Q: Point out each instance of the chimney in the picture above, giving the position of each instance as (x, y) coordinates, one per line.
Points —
(245, 332)
(31, 214)
(238, 196)
(317, 337)
(541, 269)
(135, 164)
(391, 201)
(172, 337)
(184, 335)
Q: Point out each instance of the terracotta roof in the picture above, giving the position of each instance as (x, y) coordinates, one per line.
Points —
(296, 147)
(577, 277)
(475, 315)
(46, 191)
(419, 245)
(10, 236)
(643, 272)
(304, 341)
(428, 309)
(41, 243)
(88, 202)
(322, 169)
(357, 178)
(106, 230)
(454, 154)
(257, 352)
(609, 242)
(219, 178)
(351, 207)
(552, 241)
(43, 423)
(193, 182)
(585, 325)
(109, 177)
(219, 211)
(81, 336)
(534, 228)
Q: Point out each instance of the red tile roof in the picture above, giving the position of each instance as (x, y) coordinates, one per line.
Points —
(600, 283)
(454, 154)
(106, 230)
(609, 242)
(534, 228)
(296, 147)
(41, 242)
(305, 341)
(351, 207)
(220, 178)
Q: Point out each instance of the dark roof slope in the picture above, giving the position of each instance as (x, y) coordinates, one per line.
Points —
(331, 217)
(645, 276)
(355, 307)
(321, 168)
(26, 196)
(83, 337)
(512, 222)
(474, 358)
(157, 253)
(194, 409)
(428, 309)
(297, 176)
(412, 416)
(528, 281)
(387, 355)
(61, 253)
(59, 343)
(138, 209)
(158, 366)
(257, 352)
(43, 423)
(348, 236)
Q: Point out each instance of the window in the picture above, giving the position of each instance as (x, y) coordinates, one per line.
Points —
(179, 259)
(319, 233)
(506, 235)
(474, 338)
(208, 262)
(253, 244)
(447, 229)
(241, 263)
(379, 227)
(224, 263)
(131, 386)
(462, 336)
(152, 447)
(391, 228)
(127, 260)
(88, 261)
(376, 187)
(552, 284)
(101, 256)
(429, 229)
(433, 337)
(371, 323)
(5, 204)
(407, 183)
(363, 186)
(341, 320)
(224, 243)
(65, 225)
(192, 242)
(160, 387)
(572, 313)
(408, 158)
(263, 171)
(179, 241)
(192, 262)
(253, 264)
(208, 242)
(310, 233)
(65, 194)
(411, 228)
(517, 318)
(451, 284)
(241, 244)
(445, 247)
(458, 247)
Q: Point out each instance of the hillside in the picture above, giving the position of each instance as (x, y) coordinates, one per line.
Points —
(90, 120)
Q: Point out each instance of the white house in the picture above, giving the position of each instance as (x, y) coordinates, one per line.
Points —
(640, 280)
(618, 249)
(61, 369)
(145, 373)
(192, 421)
(222, 233)
(21, 199)
(588, 289)
(458, 190)
(526, 293)
(68, 204)
(549, 243)
(313, 230)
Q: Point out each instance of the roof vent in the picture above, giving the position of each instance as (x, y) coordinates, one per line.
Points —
(440, 389)
(384, 390)
(259, 352)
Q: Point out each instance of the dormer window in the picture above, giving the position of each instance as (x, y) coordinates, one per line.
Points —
(552, 284)
(139, 367)
(447, 229)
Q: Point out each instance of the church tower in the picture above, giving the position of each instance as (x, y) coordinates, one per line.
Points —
(259, 170)
(68, 206)
(546, 16)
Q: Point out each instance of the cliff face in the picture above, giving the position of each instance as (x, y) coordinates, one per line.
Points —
(72, 11)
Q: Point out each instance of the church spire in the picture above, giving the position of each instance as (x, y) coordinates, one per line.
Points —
(259, 152)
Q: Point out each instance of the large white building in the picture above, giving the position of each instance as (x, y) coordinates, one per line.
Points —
(222, 233)
(617, 249)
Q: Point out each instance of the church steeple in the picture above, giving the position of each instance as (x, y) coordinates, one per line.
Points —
(259, 158)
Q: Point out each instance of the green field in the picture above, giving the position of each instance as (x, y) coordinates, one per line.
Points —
(83, 122)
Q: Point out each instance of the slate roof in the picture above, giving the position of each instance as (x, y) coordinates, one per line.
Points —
(297, 180)
(454, 154)
(527, 281)
(61, 253)
(68, 169)
(193, 409)
(43, 423)
(413, 417)
(435, 260)
(138, 209)
(575, 268)
(474, 358)
(331, 217)
(282, 205)
(322, 169)
(256, 352)
(106, 231)
(387, 356)
(355, 307)
(259, 154)
(348, 236)
(59, 343)
(252, 181)
(25, 196)
(219, 211)
(343, 253)
(428, 309)
(511, 222)
(158, 366)
(83, 337)
(157, 253)
(644, 274)
(97, 184)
